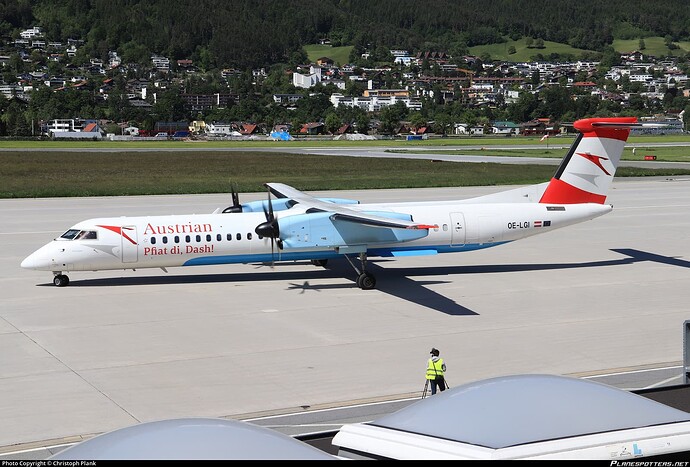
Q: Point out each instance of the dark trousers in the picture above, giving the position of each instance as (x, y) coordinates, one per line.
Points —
(440, 382)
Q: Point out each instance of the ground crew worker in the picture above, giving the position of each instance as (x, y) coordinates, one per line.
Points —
(435, 370)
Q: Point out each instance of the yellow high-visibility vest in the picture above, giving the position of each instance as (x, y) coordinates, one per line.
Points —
(434, 369)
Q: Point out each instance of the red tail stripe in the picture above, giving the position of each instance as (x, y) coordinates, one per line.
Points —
(559, 192)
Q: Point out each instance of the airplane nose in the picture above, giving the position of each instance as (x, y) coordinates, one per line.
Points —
(41, 259)
(34, 261)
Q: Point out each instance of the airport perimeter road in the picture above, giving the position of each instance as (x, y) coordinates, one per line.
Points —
(117, 348)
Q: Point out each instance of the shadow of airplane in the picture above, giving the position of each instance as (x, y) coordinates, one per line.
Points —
(397, 282)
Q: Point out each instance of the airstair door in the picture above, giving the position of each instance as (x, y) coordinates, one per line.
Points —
(130, 245)
(457, 226)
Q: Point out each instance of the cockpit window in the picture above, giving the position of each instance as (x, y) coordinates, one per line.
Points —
(87, 235)
(70, 234)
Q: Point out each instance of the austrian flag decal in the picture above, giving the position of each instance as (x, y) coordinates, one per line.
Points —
(541, 223)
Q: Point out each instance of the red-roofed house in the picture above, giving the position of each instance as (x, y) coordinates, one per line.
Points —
(314, 128)
(248, 128)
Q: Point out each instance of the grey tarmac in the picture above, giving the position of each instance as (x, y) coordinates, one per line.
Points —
(116, 348)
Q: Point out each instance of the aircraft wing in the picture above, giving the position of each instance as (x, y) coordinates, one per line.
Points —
(341, 212)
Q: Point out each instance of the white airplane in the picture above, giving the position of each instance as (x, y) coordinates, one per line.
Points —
(297, 226)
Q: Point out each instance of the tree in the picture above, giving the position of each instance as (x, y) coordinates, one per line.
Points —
(362, 122)
(332, 122)
(417, 121)
(536, 78)
(443, 123)
(169, 106)
(390, 117)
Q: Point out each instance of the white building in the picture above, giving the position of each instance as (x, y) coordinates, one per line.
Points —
(31, 33)
(375, 103)
(161, 63)
(307, 81)
(218, 129)
(63, 124)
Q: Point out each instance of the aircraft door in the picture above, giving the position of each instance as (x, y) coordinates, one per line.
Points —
(457, 226)
(130, 244)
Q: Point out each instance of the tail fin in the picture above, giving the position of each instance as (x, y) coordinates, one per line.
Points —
(586, 173)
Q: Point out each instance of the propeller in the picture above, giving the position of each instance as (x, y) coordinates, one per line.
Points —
(270, 228)
(236, 206)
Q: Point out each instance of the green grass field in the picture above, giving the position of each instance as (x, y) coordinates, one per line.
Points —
(522, 52)
(340, 55)
(36, 174)
(653, 46)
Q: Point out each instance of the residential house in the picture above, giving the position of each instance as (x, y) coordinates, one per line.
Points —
(247, 129)
(505, 128)
(313, 128)
(219, 128)
(324, 61)
(461, 129)
(286, 99)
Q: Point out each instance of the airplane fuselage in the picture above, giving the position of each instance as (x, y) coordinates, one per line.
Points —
(205, 239)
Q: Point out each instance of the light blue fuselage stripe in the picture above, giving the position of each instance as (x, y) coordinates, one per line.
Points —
(328, 254)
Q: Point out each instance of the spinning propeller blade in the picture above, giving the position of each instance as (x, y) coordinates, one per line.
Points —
(270, 228)
(236, 206)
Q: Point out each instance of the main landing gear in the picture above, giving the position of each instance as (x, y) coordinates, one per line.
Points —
(60, 279)
(365, 279)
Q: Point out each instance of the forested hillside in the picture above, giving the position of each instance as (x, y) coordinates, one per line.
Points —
(244, 33)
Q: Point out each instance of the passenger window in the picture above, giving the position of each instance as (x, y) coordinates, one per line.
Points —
(249, 236)
(219, 237)
(187, 238)
(153, 240)
(198, 238)
(208, 237)
(177, 239)
(445, 227)
(229, 236)
(239, 236)
(165, 239)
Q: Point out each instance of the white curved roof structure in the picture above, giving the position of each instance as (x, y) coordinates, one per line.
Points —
(193, 439)
(522, 416)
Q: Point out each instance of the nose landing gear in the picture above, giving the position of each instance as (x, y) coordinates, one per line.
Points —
(60, 279)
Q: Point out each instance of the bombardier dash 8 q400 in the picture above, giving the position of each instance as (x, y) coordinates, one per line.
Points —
(297, 226)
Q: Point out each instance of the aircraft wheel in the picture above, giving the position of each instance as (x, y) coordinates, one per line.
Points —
(319, 262)
(60, 280)
(366, 281)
